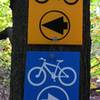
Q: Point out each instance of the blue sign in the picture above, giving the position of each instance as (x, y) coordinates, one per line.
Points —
(52, 76)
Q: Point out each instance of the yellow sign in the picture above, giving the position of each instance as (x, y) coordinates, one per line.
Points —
(55, 22)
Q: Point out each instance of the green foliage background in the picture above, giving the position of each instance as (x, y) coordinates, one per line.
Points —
(95, 34)
(5, 47)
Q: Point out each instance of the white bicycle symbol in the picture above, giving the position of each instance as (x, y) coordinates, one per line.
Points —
(41, 71)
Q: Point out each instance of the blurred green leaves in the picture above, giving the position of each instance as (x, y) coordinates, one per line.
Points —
(5, 47)
(5, 14)
(95, 35)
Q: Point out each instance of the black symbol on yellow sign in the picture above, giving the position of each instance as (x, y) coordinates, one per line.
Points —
(57, 28)
(71, 2)
(57, 25)
(42, 1)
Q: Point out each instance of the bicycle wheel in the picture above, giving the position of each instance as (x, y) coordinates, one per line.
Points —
(67, 76)
(71, 2)
(34, 78)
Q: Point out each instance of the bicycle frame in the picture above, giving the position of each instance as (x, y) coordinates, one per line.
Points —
(45, 64)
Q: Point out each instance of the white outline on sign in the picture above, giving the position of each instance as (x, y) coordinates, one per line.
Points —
(62, 75)
(56, 87)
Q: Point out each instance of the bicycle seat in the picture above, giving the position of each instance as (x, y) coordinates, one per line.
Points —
(60, 61)
(42, 59)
